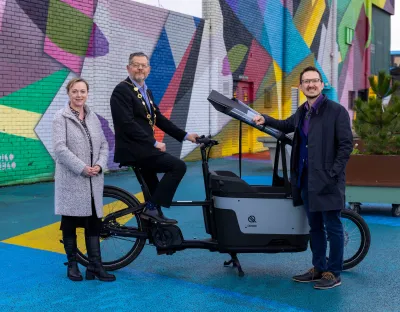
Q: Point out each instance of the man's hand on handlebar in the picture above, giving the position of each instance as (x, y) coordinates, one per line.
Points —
(259, 120)
(192, 137)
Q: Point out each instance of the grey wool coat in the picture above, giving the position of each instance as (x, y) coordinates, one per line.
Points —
(71, 147)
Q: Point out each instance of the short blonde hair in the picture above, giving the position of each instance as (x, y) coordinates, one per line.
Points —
(74, 81)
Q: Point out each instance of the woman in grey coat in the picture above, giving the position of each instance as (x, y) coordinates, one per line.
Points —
(81, 153)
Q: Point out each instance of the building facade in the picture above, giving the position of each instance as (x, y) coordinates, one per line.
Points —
(251, 49)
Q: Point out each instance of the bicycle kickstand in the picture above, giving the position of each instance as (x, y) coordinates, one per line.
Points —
(235, 263)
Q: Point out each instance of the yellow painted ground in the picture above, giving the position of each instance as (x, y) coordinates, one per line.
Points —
(48, 237)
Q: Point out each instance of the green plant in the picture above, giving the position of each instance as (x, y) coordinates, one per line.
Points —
(355, 151)
(376, 123)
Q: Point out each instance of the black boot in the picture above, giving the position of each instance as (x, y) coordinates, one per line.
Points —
(95, 268)
(162, 216)
(73, 272)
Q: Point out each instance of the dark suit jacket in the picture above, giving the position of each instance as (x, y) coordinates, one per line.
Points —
(134, 137)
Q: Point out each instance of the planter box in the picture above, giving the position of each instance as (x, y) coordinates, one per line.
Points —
(373, 170)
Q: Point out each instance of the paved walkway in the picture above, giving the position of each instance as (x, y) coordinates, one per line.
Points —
(33, 277)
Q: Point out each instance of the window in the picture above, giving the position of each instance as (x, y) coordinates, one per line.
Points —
(352, 95)
(349, 35)
(363, 94)
(267, 99)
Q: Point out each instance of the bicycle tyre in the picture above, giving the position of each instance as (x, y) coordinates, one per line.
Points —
(365, 238)
(117, 194)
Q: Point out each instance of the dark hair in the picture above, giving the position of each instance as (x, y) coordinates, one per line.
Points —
(307, 69)
(132, 55)
(76, 80)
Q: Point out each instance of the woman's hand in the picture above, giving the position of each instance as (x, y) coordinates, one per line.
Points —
(90, 171)
(96, 169)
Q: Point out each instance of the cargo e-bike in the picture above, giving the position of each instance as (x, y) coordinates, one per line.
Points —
(239, 218)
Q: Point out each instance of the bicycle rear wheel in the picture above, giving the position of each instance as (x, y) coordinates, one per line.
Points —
(357, 238)
(116, 251)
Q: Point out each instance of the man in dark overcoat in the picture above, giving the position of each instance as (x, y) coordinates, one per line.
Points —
(135, 114)
(322, 145)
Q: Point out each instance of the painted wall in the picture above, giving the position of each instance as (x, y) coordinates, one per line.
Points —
(267, 43)
(262, 43)
(45, 43)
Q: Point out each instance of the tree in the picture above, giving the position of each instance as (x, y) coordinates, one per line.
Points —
(377, 123)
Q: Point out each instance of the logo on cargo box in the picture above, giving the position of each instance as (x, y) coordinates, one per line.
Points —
(252, 219)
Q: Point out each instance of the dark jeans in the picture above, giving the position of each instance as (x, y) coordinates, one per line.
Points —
(325, 224)
(163, 191)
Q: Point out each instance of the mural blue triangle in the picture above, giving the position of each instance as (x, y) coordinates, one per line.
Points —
(197, 21)
(162, 67)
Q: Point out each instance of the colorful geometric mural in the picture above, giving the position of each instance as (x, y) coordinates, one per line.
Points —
(269, 42)
(46, 43)
(260, 46)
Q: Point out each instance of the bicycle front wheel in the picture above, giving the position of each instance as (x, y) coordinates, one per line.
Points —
(116, 251)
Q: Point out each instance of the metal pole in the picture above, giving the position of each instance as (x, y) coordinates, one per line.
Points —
(240, 149)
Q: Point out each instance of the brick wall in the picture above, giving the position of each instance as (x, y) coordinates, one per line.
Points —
(239, 47)
(46, 43)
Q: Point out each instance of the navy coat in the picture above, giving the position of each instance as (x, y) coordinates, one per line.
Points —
(330, 143)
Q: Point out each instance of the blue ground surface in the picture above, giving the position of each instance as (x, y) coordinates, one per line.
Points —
(191, 280)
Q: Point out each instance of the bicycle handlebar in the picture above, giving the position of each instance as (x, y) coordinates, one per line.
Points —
(206, 141)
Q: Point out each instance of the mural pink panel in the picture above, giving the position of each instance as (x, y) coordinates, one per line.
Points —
(257, 64)
(346, 77)
(2, 7)
(86, 7)
(72, 61)
(149, 27)
(362, 30)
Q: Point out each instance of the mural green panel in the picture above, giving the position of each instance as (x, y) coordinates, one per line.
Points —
(68, 28)
(23, 160)
(37, 96)
(341, 9)
(349, 19)
(236, 56)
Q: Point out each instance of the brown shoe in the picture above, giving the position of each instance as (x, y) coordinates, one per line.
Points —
(328, 280)
(311, 275)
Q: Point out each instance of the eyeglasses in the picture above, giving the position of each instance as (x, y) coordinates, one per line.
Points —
(137, 65)
(308, 81)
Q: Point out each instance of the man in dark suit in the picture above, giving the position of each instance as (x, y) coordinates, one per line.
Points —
(322, 145)
(135, 115)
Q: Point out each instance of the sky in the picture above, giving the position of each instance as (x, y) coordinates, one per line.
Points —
(193, 7)
(395, 28)
(190, 7)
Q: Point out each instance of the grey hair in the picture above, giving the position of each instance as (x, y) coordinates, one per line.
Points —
(132, 55)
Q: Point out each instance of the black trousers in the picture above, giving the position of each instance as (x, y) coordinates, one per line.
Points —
(162, 191)
(91, 224)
